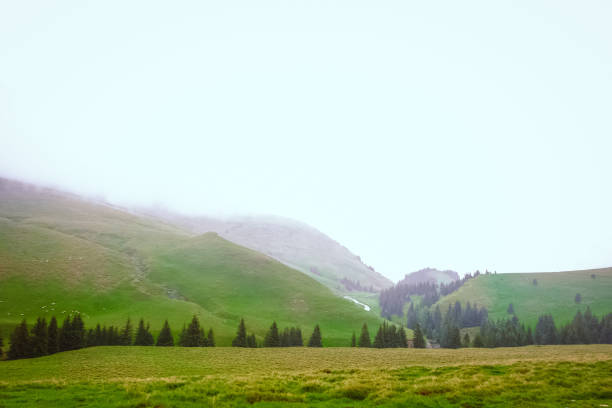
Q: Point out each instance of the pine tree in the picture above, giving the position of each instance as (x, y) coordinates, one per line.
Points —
(65, 335)
(183, 336)
(52, 337)
(529, 337)
(419, 339)
(98, 337)
(284, 337)
(379, 339)
(578, 298)
(1, 345)
(401, 334)
(241, 336)
(272, 338)
(38, 339)
(143, 335)
(454, 338)
(126, 336)
(20, 342)
(354, 340)
(251, 341)
(78, 332)
(364, 339)
(165, 338)
(210, 338)
(315, 339)
(194, 336)
(510, 309)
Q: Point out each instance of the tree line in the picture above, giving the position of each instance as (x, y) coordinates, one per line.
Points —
(44, 339)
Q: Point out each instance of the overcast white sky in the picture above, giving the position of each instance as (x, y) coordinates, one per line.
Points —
(457, 135)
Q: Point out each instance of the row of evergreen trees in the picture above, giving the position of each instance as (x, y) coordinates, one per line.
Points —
(289, 337)
(387, 336)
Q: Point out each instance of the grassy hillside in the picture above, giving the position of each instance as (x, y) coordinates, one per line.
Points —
(295, 244)
(549, 376)
(554, 293)
(60, 254)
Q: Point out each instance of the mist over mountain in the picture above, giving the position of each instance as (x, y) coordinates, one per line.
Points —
(429, 275)
(291, 242)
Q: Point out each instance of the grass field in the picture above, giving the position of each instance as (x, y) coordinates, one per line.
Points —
(554, 293)
(548, 376)
(60, 254)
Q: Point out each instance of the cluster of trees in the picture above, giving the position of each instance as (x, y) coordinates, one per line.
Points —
(193, 335)
(289, 337)
(387, 336)
(445, 329)
(355, 285)
(393, 299)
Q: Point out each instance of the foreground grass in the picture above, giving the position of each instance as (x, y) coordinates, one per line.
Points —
(572, 376)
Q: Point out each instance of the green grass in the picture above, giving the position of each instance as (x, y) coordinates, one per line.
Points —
(553, 294)
(548, 376)
(60, 254)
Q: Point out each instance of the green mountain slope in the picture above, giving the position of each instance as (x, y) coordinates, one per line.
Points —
(554, 293)
(60, 254)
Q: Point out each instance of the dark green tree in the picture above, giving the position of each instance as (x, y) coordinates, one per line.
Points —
(143, 335)
(578, 298)
(1, 345)
(478, 341)
(210, 338)
(194, 336)
(251, 341)
(315, 338)
(126, 336)
(39, 339)
(353, 340)
(183, 336)
(241, 336)
(53, 336)
(402, 340)
(20, 342)
(65, 335)
(78, 332)
(419, 339)
(272, 338)
(165, 338)
(466, 340)
(364, 338)
(379, 339)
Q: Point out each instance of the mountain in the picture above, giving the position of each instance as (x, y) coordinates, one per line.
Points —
(62, 254)
(293, 243)
(533, 294)
(429, 275)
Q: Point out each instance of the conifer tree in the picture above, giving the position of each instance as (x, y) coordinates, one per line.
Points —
(315, 339)
(251, 341)
(510, 309)
(284, 338)
(529, 339)
(364, 339)
(241, 336)
(78, 332)
(402, 341)
(20, 342)
(53, 336)
(1, 345)
(126, 336)
(65, 335)
(194, 336)
(272, 338)
(203, 341)
(143, 335)
(165, 338)
(419, 339)
(354, 340)
(183, 336)
(98, 337)
(210, 338)
(38, 339)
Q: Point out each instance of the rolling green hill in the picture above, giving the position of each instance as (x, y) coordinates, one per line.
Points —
(554, 293)
(61, 254)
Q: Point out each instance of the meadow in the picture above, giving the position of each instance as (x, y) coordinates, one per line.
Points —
(536, 376)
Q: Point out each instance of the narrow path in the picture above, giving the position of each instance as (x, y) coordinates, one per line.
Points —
(365, 307)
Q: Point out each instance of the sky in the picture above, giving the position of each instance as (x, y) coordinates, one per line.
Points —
(457, 135)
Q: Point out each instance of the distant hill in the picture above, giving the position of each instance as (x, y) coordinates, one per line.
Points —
(61, 254)
(552, 292)
(293, 243)
(429, 275)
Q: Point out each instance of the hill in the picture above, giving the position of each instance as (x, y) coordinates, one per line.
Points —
(60, 254)
(429, 275)
(553, 292)
(293, 243)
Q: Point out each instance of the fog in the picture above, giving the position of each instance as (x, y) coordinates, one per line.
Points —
(458, 136)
